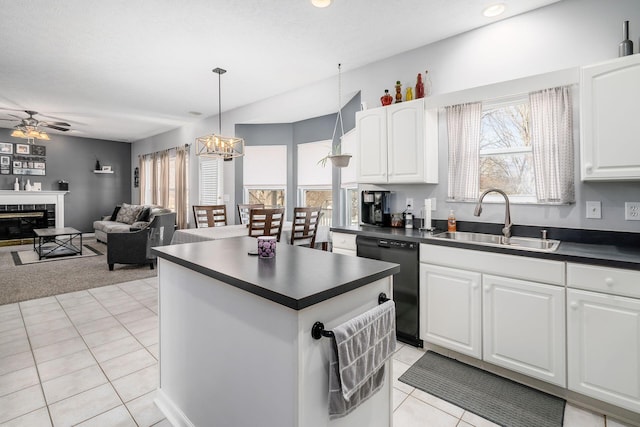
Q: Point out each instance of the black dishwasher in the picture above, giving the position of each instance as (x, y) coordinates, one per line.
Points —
(405, 283)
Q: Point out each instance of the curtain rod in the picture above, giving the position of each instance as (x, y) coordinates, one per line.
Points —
(172, 148)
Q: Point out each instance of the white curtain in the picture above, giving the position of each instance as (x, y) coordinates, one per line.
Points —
(463, 124)
(552, 144)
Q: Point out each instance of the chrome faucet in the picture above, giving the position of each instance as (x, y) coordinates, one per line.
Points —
(506, 231)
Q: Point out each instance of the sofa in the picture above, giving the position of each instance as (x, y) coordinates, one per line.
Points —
(126, 218)
(134, 247)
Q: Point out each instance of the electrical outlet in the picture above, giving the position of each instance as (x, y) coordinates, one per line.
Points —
(594, 210)
(632, 211)
(409, 202)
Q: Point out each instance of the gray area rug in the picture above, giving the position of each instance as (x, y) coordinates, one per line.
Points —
(66, 274)
(490, 396)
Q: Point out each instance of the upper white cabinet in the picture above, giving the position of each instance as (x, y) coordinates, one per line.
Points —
(398, 144)
(610, 129)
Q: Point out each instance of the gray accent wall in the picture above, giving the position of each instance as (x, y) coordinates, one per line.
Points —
(292, 134)
(73, 159)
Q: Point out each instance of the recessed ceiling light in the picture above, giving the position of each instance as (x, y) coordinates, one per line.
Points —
(494, 10)
(195, 113)
(321, 3)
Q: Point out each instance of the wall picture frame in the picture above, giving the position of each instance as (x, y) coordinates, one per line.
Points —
(106, 168)
(22, 149)
(6, 148)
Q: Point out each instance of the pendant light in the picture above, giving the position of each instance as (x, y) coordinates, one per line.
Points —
(216, 145)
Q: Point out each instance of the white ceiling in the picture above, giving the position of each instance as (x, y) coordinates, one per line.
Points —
(125, 70)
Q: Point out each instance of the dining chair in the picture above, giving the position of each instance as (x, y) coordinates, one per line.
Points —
(210, 215)
(304, 227)
(243, 211)
(266, 222)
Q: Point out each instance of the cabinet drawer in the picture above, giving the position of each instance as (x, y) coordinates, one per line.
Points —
(604, 279)
(344, 241)
(515, 266)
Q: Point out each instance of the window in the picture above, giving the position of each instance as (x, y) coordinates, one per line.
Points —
(314, 180)
(349, 181)
(211, 182)
(264, 175)
(506, 159)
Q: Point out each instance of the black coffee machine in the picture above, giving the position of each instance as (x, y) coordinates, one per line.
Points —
(375, 208)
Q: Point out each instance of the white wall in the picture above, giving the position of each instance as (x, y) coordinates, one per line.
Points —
(566, 34)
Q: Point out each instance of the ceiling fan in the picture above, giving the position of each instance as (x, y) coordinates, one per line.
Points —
(28, 126)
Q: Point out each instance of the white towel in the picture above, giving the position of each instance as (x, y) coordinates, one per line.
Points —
(361, 346)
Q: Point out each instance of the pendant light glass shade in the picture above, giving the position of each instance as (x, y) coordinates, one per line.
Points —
(215, 145)
(29, 133)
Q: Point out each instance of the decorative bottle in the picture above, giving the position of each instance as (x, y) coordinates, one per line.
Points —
(398, 91)
(27, 186)
(427, 83)
(97, 165)
(626, 46)
(386, 99)
(419, 87)
(409, 95)
(16, 185)
(451, 222)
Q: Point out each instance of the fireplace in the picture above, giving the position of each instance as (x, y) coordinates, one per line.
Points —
(19, 224)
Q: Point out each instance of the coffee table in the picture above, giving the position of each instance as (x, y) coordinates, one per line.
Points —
(53, 242)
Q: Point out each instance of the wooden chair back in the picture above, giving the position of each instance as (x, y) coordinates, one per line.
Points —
(243, 211)
(266, 222)
(305, 226)
(210, 215)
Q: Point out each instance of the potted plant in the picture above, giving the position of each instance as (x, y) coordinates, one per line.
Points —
(338, 159)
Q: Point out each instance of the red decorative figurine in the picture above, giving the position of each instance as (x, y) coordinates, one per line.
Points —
(419, 87)
(386, 99)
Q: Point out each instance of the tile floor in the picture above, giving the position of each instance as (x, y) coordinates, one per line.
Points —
(89, 358)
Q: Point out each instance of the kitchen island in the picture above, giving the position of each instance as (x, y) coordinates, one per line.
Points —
(235, 333)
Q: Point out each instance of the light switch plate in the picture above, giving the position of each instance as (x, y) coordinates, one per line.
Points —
(594, 210)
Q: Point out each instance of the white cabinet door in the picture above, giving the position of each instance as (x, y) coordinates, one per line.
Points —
(343, 243)
(524, 327)
(371, 163)
(450, 308)
(609, 102)
(405, 128)
(604, 347)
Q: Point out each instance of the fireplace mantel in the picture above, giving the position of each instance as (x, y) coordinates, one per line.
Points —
(8, 197)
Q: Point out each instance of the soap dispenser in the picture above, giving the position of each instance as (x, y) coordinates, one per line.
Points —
(451, 222)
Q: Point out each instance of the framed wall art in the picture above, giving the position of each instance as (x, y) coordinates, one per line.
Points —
(22, 149)
(6, 148)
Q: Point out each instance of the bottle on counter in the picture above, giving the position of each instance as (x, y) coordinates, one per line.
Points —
(451, 222)
(16, 185)
(408, 217)
(27, 186)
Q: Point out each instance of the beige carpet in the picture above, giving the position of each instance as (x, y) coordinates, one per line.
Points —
(68, 274)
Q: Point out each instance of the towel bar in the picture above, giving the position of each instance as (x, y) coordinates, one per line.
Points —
(317, 330)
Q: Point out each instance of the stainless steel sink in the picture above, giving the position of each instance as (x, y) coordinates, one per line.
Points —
(524, 243)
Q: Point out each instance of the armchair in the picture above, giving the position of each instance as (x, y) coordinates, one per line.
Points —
(134, 247)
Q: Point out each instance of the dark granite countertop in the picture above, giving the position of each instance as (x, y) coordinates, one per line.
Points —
(297, 277)
(587, 247)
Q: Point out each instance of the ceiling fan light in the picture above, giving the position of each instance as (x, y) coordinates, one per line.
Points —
(321, 3)
(44, 136)
(18, 133)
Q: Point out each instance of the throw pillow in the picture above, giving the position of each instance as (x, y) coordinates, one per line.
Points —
(144, 214)
(139, 225)
(114, 215)
(128, 213)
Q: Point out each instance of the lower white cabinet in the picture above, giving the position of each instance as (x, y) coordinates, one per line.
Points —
(604, 347)
(524, 327)
(514, 322)
(450, 307)
(343, 243)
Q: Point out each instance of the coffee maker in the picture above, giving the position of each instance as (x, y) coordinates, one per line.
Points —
(375, 208)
